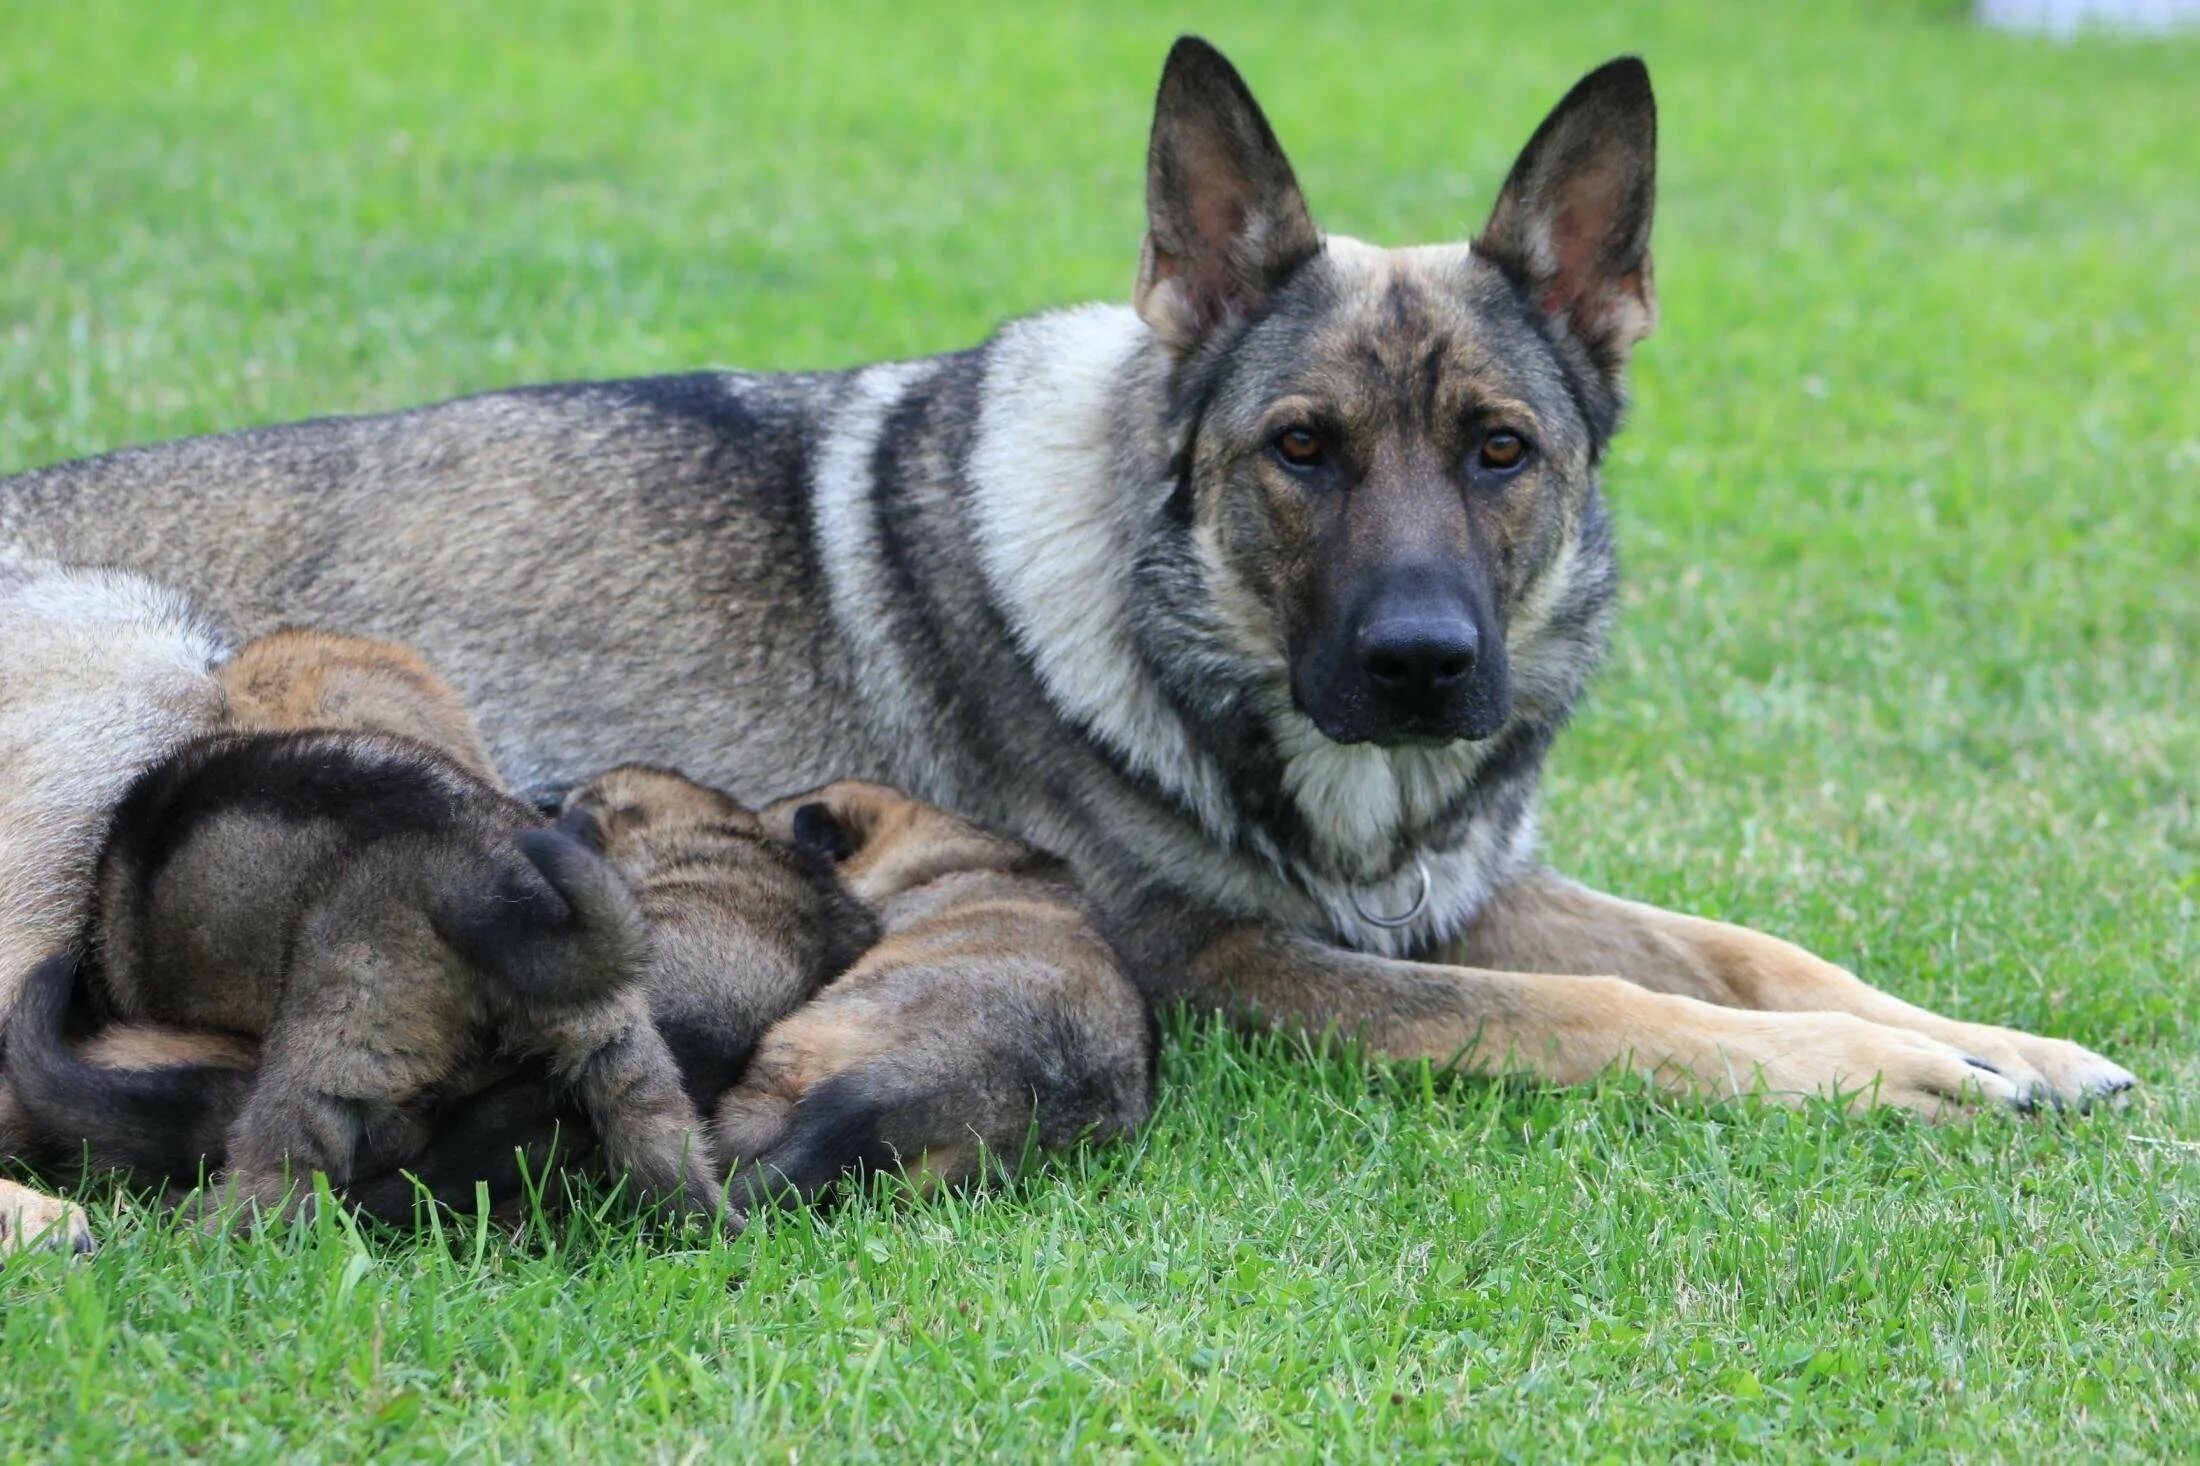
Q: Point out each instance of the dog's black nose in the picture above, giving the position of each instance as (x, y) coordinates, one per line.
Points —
(1419, 661)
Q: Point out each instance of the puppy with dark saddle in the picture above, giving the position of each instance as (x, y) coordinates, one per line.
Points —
(384, 923)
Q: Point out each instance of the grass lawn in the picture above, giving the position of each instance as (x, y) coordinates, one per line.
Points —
(1911, 512)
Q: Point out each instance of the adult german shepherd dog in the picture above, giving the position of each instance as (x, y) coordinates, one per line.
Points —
(1261, 600)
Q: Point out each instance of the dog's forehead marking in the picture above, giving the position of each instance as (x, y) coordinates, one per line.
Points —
(1365, 264)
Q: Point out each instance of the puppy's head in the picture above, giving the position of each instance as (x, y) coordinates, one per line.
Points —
(628, 809)
(882, 841)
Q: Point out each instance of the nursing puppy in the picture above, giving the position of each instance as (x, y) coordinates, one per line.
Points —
(374, 913)
(287, 681)
(992, 1014)
(743, 927)
(102, 673)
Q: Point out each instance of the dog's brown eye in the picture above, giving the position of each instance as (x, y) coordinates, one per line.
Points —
(1300, 448)
(1501, 451)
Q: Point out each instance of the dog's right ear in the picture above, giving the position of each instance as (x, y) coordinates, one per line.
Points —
(818, 830)
(1225, 221)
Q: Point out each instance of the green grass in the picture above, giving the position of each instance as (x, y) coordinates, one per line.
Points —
(1911, 508)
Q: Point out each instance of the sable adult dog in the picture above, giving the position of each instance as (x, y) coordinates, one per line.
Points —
(1257, 600)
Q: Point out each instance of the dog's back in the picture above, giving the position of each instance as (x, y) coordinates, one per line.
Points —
(218, 855)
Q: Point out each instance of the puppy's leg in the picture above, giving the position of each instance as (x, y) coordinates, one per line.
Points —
(290, 1128)
(373, 1019)
(1543, 923)
(628, 1084)
(33, 1219)
(830, 1036)
(1570, 1029)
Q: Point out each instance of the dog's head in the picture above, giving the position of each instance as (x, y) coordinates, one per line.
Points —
(1388, 456)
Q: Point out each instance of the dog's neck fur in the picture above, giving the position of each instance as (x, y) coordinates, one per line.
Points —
(1073, 465)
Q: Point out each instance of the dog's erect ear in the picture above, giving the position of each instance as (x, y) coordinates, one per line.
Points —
(1225, 222)
(818, 830)
(1572, 223)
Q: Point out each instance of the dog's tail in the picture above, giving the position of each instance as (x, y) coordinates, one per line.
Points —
(552, 925)
(158, 1120)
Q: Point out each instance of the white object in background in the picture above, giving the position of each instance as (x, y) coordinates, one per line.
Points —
(2069, 17)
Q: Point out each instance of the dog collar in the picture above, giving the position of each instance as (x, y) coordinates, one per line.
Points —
(1412, 913)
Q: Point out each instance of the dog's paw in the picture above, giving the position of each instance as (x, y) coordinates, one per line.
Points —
(2052, 1071)
(1797, 1057)
(31, 1219)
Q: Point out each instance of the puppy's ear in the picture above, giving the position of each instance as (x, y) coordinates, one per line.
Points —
(582, 825)
(1572, 223)
(818, 830)
(1225, 221)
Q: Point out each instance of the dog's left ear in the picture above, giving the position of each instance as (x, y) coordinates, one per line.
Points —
(1225, 221)
(1572, 223)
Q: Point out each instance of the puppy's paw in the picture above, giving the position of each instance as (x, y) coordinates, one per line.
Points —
(31, 1219)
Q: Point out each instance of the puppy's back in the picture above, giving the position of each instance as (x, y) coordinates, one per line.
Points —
(302, 678)
(215, 855)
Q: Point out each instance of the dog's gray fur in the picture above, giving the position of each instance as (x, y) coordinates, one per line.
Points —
(102, 674)
(1065, 584)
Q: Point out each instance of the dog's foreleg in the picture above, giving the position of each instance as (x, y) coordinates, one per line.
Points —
(1544, 923)
(1571, 1029)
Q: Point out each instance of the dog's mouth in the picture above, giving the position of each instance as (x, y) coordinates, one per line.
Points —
(1350, 720)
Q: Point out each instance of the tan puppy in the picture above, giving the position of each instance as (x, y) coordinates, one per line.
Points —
(991, 1014)
(301, 678)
